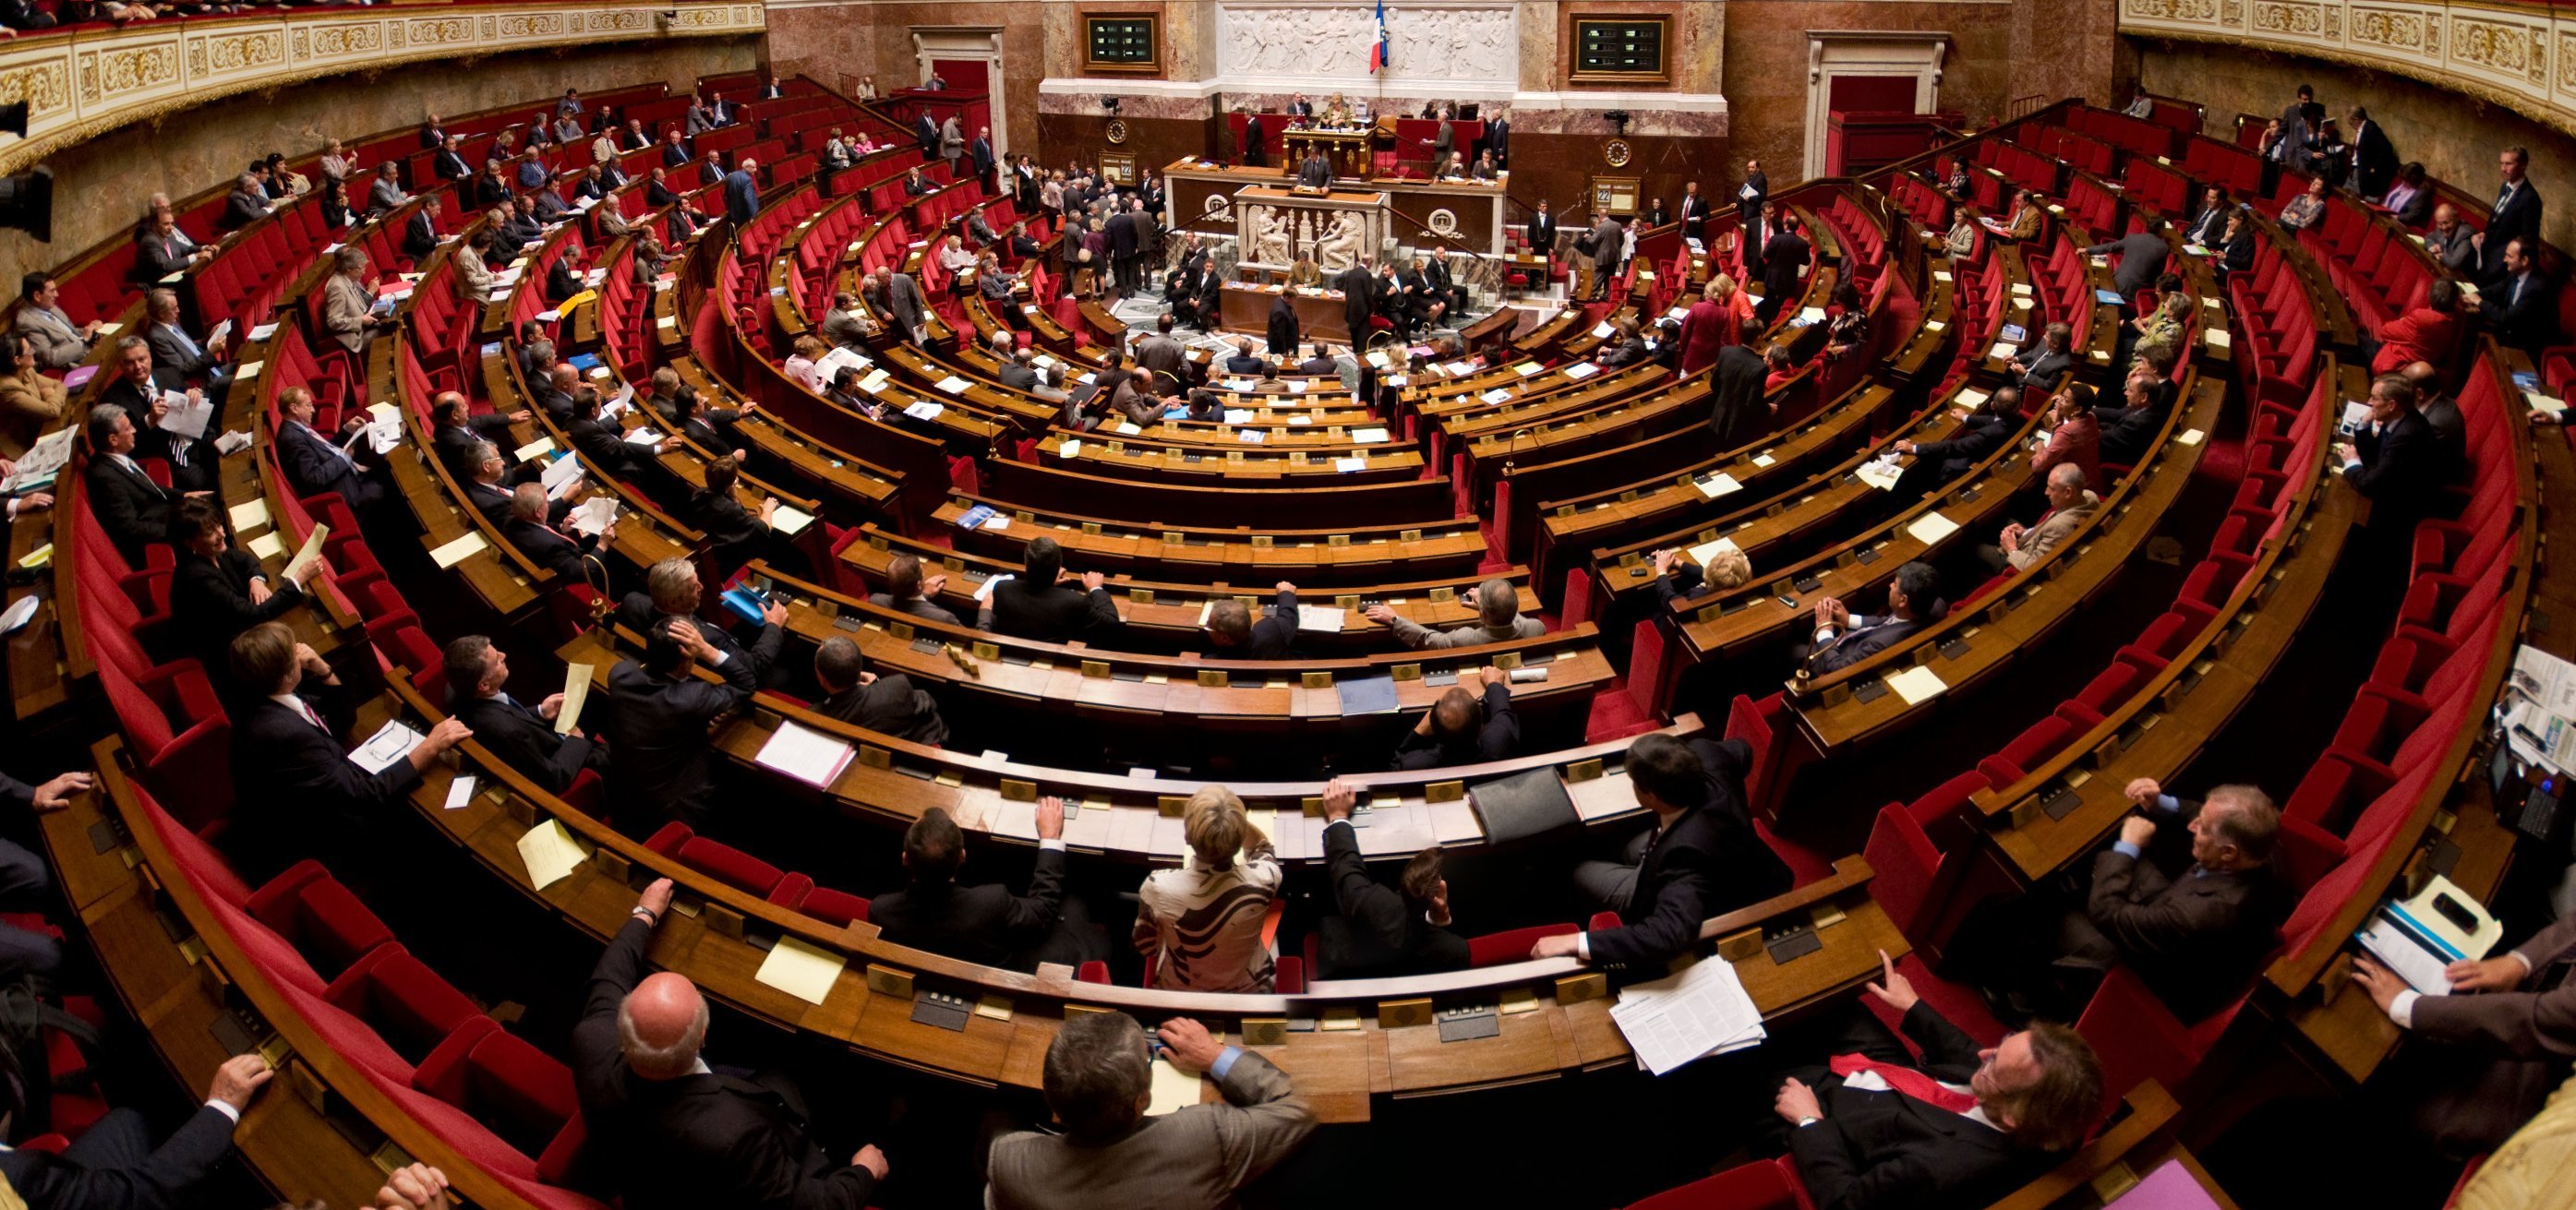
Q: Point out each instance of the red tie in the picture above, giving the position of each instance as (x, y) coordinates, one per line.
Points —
(1906, 1080)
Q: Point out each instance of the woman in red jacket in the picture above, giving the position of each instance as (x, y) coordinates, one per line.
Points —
(2428, 333)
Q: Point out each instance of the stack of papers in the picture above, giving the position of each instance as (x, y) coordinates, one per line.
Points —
(924, 411)
(185, 418)
(1719, 484)
(1368, 436)
(1930, 528)
(2540, 709)
(808, 756)
(1325, 618)
(1880, 472)
(456, 552)
(1700, 1012)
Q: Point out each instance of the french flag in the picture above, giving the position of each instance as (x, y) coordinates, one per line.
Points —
(1378, 51)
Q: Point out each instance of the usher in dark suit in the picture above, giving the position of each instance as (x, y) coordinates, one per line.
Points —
(700, 1140)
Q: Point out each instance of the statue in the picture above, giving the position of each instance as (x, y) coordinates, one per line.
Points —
(1340, 249)
(1269, 236)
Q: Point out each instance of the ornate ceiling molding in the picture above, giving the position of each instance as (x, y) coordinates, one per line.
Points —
(80, 85)
(2520, 58)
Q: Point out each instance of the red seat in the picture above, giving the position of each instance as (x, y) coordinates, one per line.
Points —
(323, 921)
(409, 1005)
(524, 1095)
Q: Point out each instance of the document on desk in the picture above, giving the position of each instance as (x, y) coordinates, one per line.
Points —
(808, 756)
(1173, 1089)
(1367, 694)
(266, 546)
(1880, 472)
(790, 521)
(2419, 937)
(1497, 395)
(1700, 554)
(1368, 436)
(1581, 370)
(390, 743)
(307, 554)
(1324, 618)
(249, 515)
(800, 970)
(1700, 1012)
(1917, 685)
(550, 853)
(1719, 484)
(19, 613)
(1930, 528)
(2544, 680)
(453, 553)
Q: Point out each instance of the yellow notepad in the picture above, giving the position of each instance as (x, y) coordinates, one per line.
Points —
(1173, 1089)
(800, 970)
(1916, 685)
(550, 853)
(453, 553)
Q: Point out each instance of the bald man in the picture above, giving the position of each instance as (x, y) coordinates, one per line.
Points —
(673, 1134)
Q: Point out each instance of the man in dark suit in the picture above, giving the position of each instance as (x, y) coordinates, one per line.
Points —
(1256, 153)
(1984, 431)
(218, 590)
(1876, 1127)
(2516, 214)
(482, 485)
(986, 924)
(113, 1165)
(1354, 283)
(2208, 225)
(742, 193)
(1315, 172)
(888, 704)
(525, 739)
(1498, 138)
(1750, 197)
(2142, 258)
(1376, 932)
(603, 445)
(1463, 728)
(1235, 635)
(674, 1133)
(660, 713)
(449, 164)
(2517, 303)
(457, 428)
(1693, 213)
(535, 527)
(133, 509)
(980, 154)
(1844, 638)
(2374, 158)
(314, 463)
(2147, 397)
(926, 133)
(671, 590)
(1607, 243)
(1784, 258)
(2042, 364)
(675, 153)
(146, 390)
(295, 789)
(1738, 410)
(1283, 327)
(2395, 460)
(1033, 605)
(2195, 939)
(1542, 232)
(1122, 249)
(431, 133)
(1701, 859)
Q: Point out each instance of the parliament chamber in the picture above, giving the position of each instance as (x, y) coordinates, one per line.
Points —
(1188, 603)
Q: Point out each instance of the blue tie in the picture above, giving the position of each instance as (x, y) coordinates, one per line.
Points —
(2502, 194)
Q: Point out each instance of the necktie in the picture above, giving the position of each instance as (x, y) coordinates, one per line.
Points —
(306, 709)
(2503, 194)
(1906, 1080)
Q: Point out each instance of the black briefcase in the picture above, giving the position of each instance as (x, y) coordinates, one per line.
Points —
(1523, 805)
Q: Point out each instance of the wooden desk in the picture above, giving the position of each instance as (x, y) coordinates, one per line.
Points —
(1355, 555)
(1321, 314)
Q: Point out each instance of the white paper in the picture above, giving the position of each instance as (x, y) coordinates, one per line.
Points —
(1347, 465)
(985, 593)
(1702, 1011)
(593, 515)
(643, 436)
(184, 418)
(560, 475)
(2003, 349)
(1719, 484)
(808, 756)
(390, 743)
(925, 410)
(1070, 447)
(1368, 436)
(460, 791)
(1930, 528)
(1324, 618)
(953, 385)
(18, 613)
(1497, 395)
(1917, 685)
(1581, 370)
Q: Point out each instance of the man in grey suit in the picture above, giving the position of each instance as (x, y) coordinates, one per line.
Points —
(905, 301)
(2509, 1023)
(1498, 620)
(58, 343)
(1098, 1081)
(1609, 243)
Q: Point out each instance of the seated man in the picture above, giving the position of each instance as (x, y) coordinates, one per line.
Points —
(671, 591)
(2395, 460)
(114, 1165)
(660, 717)
(26, 882)
(1234, 634)
(986, 924)
(2503, 1033)
(294, 786)
(889, 705)
(2069, 506)
(457, 429)
(1098, 1081)
(315, 464)
(1498, 620)
(1985, 430)
(1701, 859)
(1034, 605)
(1958, 1127)
(906, 589)
(134, 510)
(2040, 365)
(537, 528)
(1844, 638)
(1376, 932)
(1461, 729)
(478, 674)
(670, 1131)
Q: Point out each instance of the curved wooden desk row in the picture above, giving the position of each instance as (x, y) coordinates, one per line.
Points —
(1355, 554)
(2066, 806)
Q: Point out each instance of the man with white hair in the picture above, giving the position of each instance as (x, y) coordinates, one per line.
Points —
(2070, 505)
(673, 1132)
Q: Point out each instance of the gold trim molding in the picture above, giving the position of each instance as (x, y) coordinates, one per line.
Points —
(81, 85)
(2518, 57)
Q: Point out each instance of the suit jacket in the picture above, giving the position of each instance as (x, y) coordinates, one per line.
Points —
(163, 1179)
(210, 600)
(156, 258)
(2517, 218)
(299, 777)
(904, 299)
(1283, 327)
(657, 760)
(313, 465)
(1354, 285)
(1052, 613)
(449, 166)
(58, 342)
(1707, 862)
(1609, 243)
(177, 352)
(700, 1140)
(1414, 634)
(1747, 209)
(28, 406)
(1197, 1156)
(890, 706)
(985, 924)
(2374, 160)
(601, 444)
(1376, 932)
(525, 741)
(1854, 645)
(2042, 366)
(742, 197)
(1542, 234)
(1737, 413)
(2196, 939)
(1316, 172)
(2522, 1037)
(1783, 255)
(2529, 322)
(2209, 227)
(345, 305)
(1873, 1150)
(550, 548)
(676, 155)
(636, 613)
(2400, 470)
(1980, 435)
(241, 209)
(981, 150)
(1497, 737)
(1274, 634)
(2054, 528)
(133, 509)
(2142, 257)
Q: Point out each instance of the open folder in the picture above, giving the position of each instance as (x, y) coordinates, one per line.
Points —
(2418, 937)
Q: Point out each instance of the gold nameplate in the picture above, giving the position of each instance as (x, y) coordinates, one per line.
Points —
(1443, 596)
(1260, 541)
(893, 981)
(722, 919)
(1317, 680)
(1444, 791)
(1264, 1031)
(1575, 989)
(993, 1008)
(1015, 790)
(875, 757)
(1022, 514)
(987, 651)
(1337, 1020)
(1346, 602)
(900, 630)
(1141, 596)
(1096, 669)
(1170, 804)
(1083, 1010)
(1565, 510)
(1396, 1014)
(1406, 672)
(1172, 537)
(878, 542)
(1408, 535)
(1210, 678)
(1508, 660)
(1518, 1000)
(1583, 770)
(1736, 947)
(1311, 806)
(1338, 540)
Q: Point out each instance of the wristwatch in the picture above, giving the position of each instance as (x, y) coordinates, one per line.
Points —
(646, 915)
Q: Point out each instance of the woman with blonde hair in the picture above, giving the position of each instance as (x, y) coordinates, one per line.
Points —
(1200, 926)
(1677, 575)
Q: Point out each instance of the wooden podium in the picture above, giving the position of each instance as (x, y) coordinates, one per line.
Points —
(1347, 149)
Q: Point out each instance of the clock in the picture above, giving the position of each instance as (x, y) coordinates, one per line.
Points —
(1617, 152)
(1117, 130)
